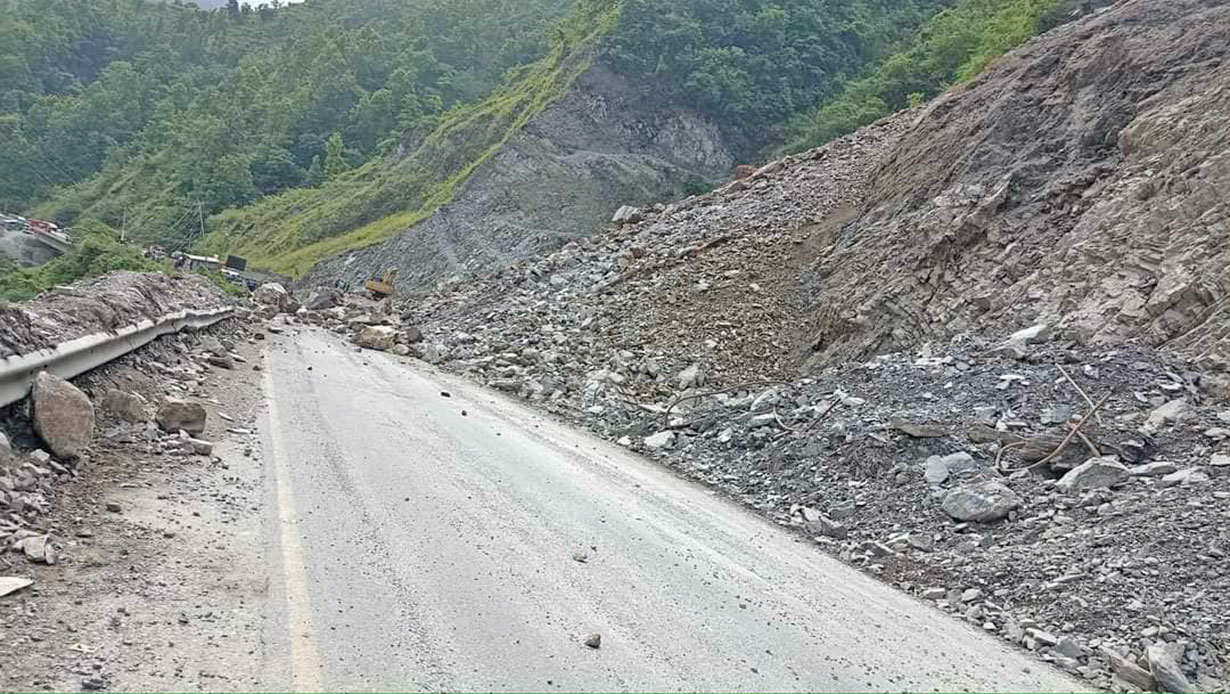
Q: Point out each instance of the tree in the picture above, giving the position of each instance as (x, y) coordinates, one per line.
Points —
(335, 157)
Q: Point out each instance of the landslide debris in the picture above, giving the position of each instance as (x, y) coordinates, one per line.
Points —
(107, 303)
(976, 349)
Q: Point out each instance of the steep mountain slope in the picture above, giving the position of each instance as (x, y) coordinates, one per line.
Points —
(825, 341)
(559, 177)
(1077, 183)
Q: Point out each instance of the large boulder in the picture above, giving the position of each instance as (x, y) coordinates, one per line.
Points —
(378, 337)
(272, 294)
(63, 415)
(127, 407)
(1095, 473)
(982, 502)
(180, 415)
(322, 298)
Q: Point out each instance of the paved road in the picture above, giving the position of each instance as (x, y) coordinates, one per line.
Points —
(427, 542)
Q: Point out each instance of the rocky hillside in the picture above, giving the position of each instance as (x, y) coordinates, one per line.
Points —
(560, 177)
(1078, 184)
(975, 349)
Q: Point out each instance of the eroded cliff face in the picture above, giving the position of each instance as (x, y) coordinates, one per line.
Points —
(561, 177)
(1080, 182)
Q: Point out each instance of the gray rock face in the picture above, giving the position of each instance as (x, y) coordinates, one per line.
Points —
(983, 502)
(595, 149)
(1095, 473)
(128, 407)
(176, 415)
(63, 415)
(377, 337)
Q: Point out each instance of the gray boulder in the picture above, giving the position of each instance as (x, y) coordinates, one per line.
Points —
(982, 502)
(180, 415)
(63, 415)
(377, 337)
(322, 298)
(1095, 473)
(273, 295)
(1166, 672)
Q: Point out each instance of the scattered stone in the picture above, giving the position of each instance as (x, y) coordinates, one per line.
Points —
(593, 641)
(1166, 672)
(38, 549)
(223, 362)
(1219, 460)
(1160, 417)
(1128, 671)
(982, 502)
(12, 584)
(127, 407)
(114, 507)
(176, 415)
(1188, 476)
(1156, 469)
(660, 440)
(63, 415)
(939, 468)
(1095, 473)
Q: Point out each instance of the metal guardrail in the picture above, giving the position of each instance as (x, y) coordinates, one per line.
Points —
(77, 356)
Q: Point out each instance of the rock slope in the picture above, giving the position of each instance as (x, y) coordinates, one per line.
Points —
(976, 349)
(558, 178)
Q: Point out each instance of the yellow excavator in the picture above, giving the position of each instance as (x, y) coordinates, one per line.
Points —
(382, 287)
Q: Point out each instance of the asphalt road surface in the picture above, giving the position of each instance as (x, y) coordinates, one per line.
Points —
(467, 543)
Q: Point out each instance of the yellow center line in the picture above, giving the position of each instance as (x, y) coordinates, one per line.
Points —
(305, 663)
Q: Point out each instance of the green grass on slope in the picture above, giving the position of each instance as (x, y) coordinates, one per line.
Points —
(954, 46)
(291, 232)
(97, 252)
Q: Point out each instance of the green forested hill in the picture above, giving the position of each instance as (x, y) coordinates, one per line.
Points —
(276, 125)
(151, 102)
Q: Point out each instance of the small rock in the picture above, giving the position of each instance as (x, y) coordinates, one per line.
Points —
(12, 584)
(1068, 647)
(128, 407)
(1187, 476)
(1169, 413)
(1128, 671)
(660, 440)
(1153, 469)
(691, 377)
(179, 415)
(114, 507)
(593, 640)
(1220, 460)
(1095, 473)
(580, 557)
(220, 362)
(982, 502)
(1166, 671)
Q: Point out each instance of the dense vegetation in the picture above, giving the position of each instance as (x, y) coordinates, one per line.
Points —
(755, 63)
(98, 252)
(290, 133)
(954, 46)
(160, 107)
